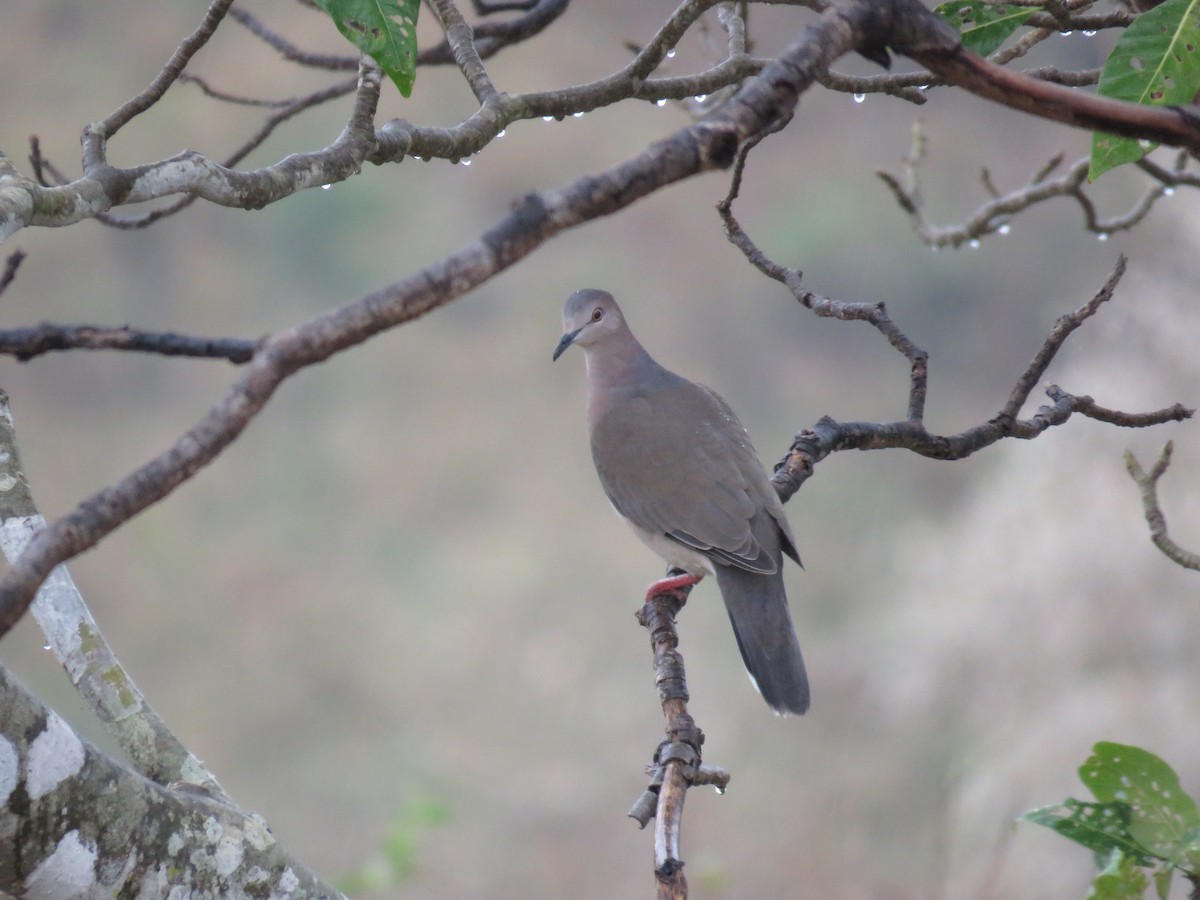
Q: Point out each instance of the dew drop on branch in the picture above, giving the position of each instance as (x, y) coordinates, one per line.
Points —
(859, 98)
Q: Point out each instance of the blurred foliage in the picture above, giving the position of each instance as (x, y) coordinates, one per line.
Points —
(397, 858)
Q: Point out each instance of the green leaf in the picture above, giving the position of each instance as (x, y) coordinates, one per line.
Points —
(1121, 879)
(1156, 62)
(1101, 827)
(1162, 882)
(385, 30)
(984, 26)
(1162, 818)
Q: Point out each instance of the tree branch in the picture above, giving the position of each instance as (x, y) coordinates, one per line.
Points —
(65, 837)
(760, 105)
(76, 639)
(994, 216)
(1147, 483)
(828, 435)
(26, 343)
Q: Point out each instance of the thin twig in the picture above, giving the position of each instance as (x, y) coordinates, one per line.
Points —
(1147, 483)
(461, 39)
(11, 263)
(828, 435)
(27, 343)
(102, 131)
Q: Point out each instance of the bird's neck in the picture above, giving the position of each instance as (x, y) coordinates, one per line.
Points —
(616, 372)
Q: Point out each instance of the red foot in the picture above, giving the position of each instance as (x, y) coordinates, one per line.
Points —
(664, 585)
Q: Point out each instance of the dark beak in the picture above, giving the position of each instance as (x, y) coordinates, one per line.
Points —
(567, 340)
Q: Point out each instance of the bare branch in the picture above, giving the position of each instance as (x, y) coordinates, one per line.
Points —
(994, 215)
(11, 263)
(95, 136)
(288, 50)
(761, 104)
(26, 343)
(1147, 483)
(827, 436)
(461, 39)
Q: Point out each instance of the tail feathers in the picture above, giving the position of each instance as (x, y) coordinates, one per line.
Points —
(758, 610)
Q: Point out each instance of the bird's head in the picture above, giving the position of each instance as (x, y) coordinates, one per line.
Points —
(589, 316)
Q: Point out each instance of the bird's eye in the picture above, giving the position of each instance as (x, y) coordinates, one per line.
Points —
(597, 314)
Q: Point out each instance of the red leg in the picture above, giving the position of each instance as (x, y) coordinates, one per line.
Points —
(672, 583)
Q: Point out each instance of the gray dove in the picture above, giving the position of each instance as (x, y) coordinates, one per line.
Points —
(679, 469)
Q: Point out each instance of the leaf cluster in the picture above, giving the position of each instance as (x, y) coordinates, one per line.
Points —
(1156, 62)
(1143, 826)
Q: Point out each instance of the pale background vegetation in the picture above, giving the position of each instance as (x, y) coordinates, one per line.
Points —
(403, 587)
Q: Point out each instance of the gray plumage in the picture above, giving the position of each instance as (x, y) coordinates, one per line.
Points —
(680, 470)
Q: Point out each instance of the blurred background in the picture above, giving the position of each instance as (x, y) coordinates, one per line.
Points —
(398, 612)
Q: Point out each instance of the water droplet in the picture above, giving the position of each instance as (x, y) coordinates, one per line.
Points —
(547, 118)
(45, 646)
(1168, 191)
(671, 53)
(974, 245)
(1102, 236)
(700, 98)
(578, 115)
(466, 162)
(501, 132)
(859, 98)
(326, 187)
(719, 789)
(1066, 33)
(1004, 229)
(662, 102)
(922, 87)
(1089, 33)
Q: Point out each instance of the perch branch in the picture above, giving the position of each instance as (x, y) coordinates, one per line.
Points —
(1147, 483)
(677, 761)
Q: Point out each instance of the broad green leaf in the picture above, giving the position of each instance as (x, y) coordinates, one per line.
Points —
(385, 30)
(1121, 879)
(1162, 818)
(1156, 62)
(984, 26)
(1101, 827)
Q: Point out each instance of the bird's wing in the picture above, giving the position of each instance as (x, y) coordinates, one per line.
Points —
(674, 460)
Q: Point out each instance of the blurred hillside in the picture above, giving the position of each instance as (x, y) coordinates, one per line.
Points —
(403, 583)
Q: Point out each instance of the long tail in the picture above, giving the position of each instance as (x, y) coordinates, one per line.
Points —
(758, 609)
